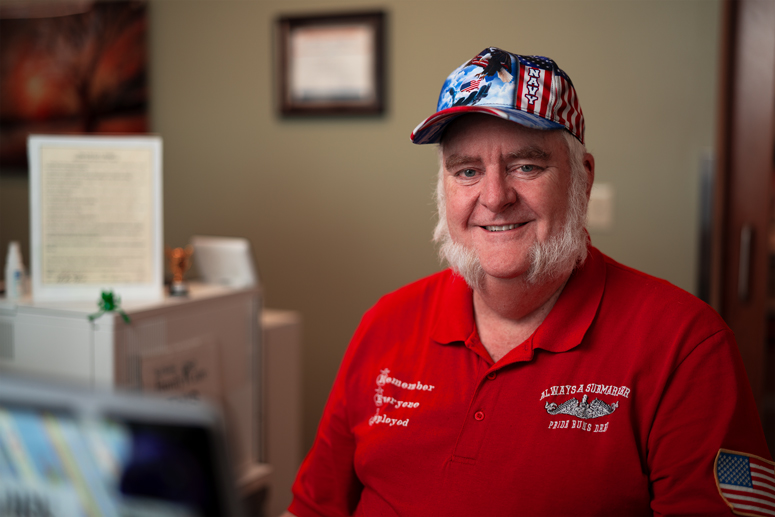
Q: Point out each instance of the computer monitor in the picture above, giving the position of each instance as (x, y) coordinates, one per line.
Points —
(71, 451)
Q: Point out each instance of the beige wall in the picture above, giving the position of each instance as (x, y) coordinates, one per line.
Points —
(339, 210)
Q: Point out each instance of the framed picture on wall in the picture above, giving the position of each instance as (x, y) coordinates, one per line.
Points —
(332, 64)
(70, 67)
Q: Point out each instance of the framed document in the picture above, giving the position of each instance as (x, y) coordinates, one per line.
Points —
(96, 217)
(332, 64)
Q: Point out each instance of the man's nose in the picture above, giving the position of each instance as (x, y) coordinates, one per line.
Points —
(497, 194)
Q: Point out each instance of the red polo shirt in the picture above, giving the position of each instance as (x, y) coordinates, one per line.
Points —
(616, 405)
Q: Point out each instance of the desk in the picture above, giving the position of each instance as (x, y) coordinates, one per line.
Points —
(56, 339)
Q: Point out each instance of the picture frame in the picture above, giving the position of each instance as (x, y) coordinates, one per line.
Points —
(96, 217)
(332, 64)
(71, 67)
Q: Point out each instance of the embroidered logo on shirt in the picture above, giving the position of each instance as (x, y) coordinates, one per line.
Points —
(380, 399)
(583, 410)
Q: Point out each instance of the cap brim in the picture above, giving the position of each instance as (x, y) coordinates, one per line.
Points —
(432, 128)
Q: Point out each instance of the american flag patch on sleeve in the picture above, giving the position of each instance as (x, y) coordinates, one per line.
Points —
(746, 482)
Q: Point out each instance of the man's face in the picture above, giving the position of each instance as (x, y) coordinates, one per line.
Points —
(506, 190)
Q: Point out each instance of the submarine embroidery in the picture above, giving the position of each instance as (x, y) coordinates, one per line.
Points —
(583, 409)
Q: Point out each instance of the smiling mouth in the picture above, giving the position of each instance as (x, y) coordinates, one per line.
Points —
(503, 228)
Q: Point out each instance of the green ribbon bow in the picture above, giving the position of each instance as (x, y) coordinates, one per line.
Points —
(109, 303)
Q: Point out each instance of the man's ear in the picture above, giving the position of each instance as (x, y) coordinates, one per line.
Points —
(589, 167)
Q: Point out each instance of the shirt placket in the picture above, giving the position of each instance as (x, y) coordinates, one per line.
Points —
(484, 408)
(479, 417)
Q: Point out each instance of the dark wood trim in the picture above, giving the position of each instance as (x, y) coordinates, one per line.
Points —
(723, 135)
(747, 123)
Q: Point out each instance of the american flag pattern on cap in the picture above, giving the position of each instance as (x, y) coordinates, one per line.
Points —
(746, 482)
(529, 90)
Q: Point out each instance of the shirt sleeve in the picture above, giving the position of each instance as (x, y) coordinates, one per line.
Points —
(706, 405)
(326, 483)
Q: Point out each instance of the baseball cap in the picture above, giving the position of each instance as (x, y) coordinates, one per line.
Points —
(529, 90)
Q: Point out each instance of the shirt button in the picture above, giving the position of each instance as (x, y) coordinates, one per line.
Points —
(491, 375)
(479, 415)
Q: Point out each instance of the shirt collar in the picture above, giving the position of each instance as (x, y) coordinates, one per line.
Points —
(564, 326)
(455, 314)
(575, 309)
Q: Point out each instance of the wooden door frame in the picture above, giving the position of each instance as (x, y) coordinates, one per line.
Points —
(744, 160)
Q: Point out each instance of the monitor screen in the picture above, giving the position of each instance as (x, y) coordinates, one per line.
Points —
(58, 461)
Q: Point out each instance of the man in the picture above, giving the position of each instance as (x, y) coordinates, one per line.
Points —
(537, 376)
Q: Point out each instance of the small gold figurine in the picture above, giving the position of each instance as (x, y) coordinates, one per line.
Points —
(180, 261)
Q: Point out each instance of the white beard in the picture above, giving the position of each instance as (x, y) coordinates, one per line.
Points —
(555, 257)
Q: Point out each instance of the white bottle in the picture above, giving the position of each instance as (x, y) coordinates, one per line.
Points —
(14, 272)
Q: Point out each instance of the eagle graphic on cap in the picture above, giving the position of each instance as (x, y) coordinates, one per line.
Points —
(493, 61)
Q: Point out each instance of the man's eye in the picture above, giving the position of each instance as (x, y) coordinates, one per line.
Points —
(468, 173)
(527, 168)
